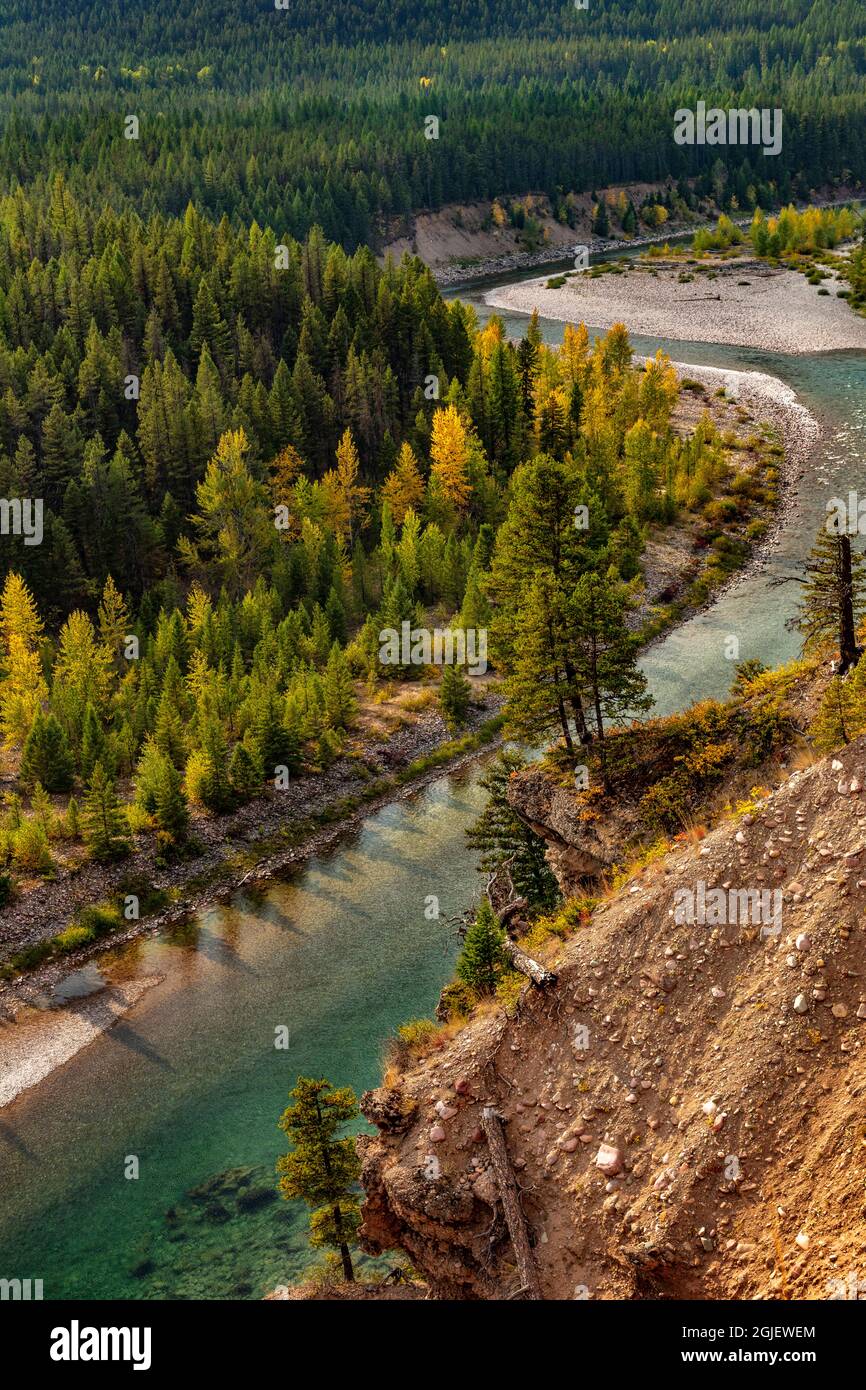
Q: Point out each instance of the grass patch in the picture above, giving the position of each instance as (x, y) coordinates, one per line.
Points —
(91, 924)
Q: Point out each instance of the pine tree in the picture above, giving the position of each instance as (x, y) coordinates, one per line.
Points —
(538, 558)
(171, 812)
(320, 1168)
(338, 689)
(475, 611)
(537, 688)
(105, 825)
(604, 653)
(503, 838)
(833, 599)
(72, 820)
(600, 219)
(217, 793)
(244, 776)
(47, 757)
(397, 608)
(483, 957)
(273, 743)
(93, 748)
(455, 695)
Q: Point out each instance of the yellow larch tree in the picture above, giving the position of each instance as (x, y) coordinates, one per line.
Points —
(403, 489)
(347, 497)
(449, 456)
(574, 354)
(23, 687)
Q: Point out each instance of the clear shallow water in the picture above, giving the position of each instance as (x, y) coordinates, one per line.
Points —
(190, 1082)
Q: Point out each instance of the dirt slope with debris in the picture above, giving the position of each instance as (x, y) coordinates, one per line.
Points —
(684, 1111)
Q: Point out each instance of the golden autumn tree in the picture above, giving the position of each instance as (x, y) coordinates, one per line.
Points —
(403, 489)
(347, 496)
(113, 619)
(449, 458)
(659, 390)
(574, 354)
(23, 687)
(287, 480)
(286, 469)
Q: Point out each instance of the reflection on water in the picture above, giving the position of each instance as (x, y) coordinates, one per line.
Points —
(190, 1080)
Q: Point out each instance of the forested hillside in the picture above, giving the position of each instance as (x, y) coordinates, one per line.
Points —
(308, 116)
(252, 460)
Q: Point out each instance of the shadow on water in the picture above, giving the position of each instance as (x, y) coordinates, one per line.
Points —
(191, 1081)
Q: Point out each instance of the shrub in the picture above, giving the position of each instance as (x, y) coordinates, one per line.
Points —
(100, 919)
(770, 725)
(72, 938)
(412, 1041)
(30, 847)
(456, 1000)
(664, 805)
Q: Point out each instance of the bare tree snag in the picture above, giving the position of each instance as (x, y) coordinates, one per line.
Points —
(510, 1194)
(512, 909)
(527, 966)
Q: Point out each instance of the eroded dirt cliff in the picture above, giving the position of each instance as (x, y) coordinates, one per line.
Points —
(684, 1111)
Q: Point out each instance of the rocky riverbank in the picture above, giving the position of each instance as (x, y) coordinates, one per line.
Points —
(265, 838)
(741, 302)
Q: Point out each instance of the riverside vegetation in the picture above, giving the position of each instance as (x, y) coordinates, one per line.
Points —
(677, 779)
(315, 454)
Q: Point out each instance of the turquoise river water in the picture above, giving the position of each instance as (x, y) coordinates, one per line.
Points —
(190, 1081)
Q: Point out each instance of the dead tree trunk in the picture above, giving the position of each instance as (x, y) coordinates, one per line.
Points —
(849, 652)
(510, 1194)
(512, 909)
(529, 967)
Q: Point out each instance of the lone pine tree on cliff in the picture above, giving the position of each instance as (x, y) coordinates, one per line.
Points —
(320, 1168)
(503, 838)
(483, 957)
(834, 597)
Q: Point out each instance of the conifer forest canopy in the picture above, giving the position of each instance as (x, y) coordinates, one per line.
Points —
(315, 114)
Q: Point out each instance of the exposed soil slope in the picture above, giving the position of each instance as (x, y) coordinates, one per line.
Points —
(722, 1069)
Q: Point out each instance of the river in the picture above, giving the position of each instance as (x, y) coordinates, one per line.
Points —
(190, 1082)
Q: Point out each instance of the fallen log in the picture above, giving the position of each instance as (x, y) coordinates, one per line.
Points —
(536, 972)
(510, 1195)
